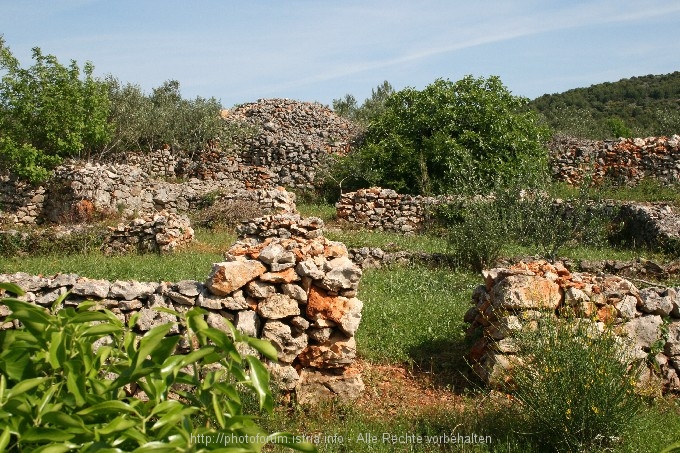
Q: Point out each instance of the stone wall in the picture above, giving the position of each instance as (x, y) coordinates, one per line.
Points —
(299, 292)
(385, 210)
(512, 298)
(624, 161)
(125, 189)
(162, 233)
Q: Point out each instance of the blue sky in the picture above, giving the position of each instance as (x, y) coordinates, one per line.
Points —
(317, 50)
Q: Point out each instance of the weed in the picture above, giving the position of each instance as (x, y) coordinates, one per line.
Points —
(577, 386)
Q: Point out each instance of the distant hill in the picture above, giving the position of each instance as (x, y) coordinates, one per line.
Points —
(635, 107)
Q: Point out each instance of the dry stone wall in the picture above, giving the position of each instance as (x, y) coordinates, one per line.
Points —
(162, 233)
(385, 210)
(512, 298)
(298, 291)
(125, 189)
(625, 161)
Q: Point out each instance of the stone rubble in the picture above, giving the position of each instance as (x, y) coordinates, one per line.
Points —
(162, 233)
(298, 291)
(511, 298)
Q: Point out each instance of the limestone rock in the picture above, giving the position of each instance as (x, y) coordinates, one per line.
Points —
(317, 385)
(278, 306)
(129, 290)
(657, 301)
(522, 292)
(338, 352)
(227, 277)
(91, 288)
(248, 322)
(644, 330)
(343, 274)
(288, 346)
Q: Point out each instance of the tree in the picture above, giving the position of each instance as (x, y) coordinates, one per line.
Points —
(148, 122)
(373, 106)
(463, 137)
(48, 112)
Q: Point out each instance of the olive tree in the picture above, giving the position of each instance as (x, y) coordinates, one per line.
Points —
(464, 137)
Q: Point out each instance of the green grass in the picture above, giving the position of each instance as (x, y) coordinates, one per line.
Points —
(193, 262)
(414, 315)
(390, 241)
(648, 190)
(325, 212)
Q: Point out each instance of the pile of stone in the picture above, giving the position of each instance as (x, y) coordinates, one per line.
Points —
(625, 161)
(302, 288)
(20, 202)
(376, 257)
(280, 225)
(115, 189)
(514, 298)
(270, 201)
(653, 225)
(161, 232)
(294, 139)
(297, 292)
(385, 210)
(157, 164)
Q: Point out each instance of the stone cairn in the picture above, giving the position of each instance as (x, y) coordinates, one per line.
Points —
(303, 287)
(162, 233)
(294, 138)
(625, 161)
(297, 291)
(513, 298)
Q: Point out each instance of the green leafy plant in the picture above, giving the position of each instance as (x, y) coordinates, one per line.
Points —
(48, 112)
(577, 385)
(70, 380)
(464, 137)
(477, 229)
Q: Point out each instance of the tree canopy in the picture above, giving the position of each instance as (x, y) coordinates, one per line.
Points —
(462, 137)
(48, 112)
(638, 106)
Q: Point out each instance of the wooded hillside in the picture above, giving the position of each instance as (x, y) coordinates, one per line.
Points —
(639, 106)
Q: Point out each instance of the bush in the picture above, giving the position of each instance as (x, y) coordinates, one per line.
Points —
(52, 241)
(577, 386)
(464, 137)
(47, 113)
(68, 380)
(149, 122)
(549, 225)
(477, 229)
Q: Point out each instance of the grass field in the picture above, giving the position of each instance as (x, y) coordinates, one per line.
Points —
(411, 345)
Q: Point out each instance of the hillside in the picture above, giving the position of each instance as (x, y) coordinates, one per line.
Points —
(639, 106)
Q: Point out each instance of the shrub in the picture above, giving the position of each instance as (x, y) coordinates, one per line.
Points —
(464, 137)
(52, 240)
(68, 380)
(477, 230)
(549, 225)
(48, 112)
(577, 386)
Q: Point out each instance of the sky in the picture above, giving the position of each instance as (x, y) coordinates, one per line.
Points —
(318, 50)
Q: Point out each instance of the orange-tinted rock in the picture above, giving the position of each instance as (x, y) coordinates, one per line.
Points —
(227, 277)
(286, 276)
(526, 292)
